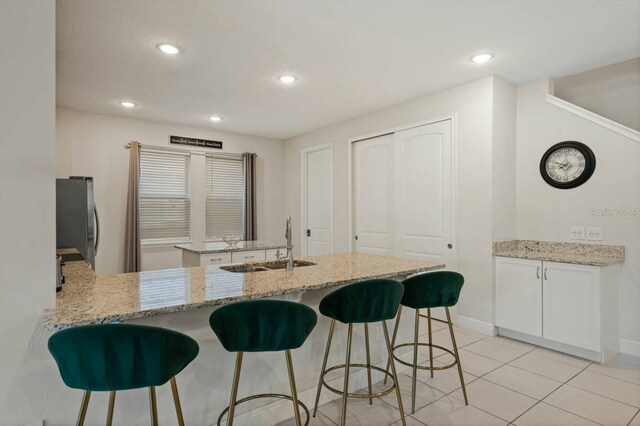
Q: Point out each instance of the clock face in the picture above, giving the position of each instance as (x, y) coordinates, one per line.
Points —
(567, 165)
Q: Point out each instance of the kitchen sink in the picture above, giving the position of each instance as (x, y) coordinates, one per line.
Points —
(244, 268)
(258, 267)
(283, 265)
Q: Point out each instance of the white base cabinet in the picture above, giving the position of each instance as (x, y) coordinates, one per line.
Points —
(190, 258)
(567, 307)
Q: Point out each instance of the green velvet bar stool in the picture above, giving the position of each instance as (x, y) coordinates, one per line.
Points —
(116, 357)
(364, 302)
(263, 326)
(426, 291)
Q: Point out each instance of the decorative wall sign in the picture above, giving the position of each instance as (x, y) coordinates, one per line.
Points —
(202, 143)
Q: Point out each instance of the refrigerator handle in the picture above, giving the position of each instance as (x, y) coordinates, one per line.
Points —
(95, 211)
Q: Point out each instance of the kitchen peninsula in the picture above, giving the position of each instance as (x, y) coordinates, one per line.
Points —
(89, 298)
(182, 299)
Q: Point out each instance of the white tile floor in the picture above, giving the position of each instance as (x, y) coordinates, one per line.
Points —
(508, 383)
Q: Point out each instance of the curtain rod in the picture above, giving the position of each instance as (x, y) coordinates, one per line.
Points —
(182, 151)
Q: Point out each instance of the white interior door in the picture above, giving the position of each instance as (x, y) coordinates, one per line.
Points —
(319, 202)
(373, 195)
(424, 193)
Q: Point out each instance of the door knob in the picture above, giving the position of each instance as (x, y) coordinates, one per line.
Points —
(449, 246)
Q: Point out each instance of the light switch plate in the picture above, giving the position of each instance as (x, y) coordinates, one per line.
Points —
(594, 233)
(577, 233)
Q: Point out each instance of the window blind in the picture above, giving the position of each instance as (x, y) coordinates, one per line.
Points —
(225, 196)
(165, 205)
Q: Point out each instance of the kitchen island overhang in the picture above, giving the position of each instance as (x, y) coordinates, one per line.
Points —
(183, 299)
(89, 298)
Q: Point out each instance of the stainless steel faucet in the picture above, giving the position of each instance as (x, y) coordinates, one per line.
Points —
(288, 236)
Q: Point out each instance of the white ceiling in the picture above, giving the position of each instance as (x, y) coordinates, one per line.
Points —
(351, 56)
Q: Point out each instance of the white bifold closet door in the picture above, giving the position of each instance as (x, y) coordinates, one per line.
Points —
(424, 193)
(403, 193)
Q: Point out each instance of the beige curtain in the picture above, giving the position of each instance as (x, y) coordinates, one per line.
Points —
(250, 233)
(132, 253)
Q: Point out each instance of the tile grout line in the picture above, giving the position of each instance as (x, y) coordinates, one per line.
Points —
(538, 401)
(602, 396)
(612, 377)
(633, 418)
(562, 384)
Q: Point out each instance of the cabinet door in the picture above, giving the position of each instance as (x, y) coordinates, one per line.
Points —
(215, 259)
(248, 256)
(519, 295)
(571, 306)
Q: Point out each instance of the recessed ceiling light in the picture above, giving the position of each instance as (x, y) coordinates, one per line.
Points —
(127, 104)
(287, 79)
(169, 49)
(482, 58)
(215, 118)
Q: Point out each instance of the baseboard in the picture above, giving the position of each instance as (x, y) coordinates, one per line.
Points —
(630, 347)
(559, 347)
(478, 326)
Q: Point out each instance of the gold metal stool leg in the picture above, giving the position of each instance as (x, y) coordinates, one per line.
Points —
(366, 344)
(455, 350)
(415, 361)
(393, 371)
(294, 392)
(234, 389)
(393, 341)
(112, 403)
(153, 406)
(176, 401)
(83, 408)
(324, 366)
(345, 396)
(430, 341)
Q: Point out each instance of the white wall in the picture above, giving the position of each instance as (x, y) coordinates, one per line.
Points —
(27, 215)
(473, 105)
(545, 213)
(503, 160)
(612, 91)
(92, 145)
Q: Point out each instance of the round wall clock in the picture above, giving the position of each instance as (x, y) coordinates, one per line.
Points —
(567, 164)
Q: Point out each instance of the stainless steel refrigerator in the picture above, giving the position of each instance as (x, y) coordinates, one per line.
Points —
(77, 224)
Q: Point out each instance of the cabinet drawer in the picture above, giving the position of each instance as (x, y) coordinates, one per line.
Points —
(215, 259)
(248, 256)
(276, 254)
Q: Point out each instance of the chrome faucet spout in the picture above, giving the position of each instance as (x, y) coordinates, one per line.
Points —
(288, 235)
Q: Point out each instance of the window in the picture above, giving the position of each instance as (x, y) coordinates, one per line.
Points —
(165, 205)
(225, 196)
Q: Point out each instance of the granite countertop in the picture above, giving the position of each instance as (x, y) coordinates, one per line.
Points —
(581, 254)
(222, 247)
(88, 298)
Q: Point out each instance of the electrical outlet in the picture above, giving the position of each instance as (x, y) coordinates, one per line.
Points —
(577, 233)
(594, 233)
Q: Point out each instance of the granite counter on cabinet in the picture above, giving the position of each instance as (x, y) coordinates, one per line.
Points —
(88, 298)
(222, 247)
(580, 254)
